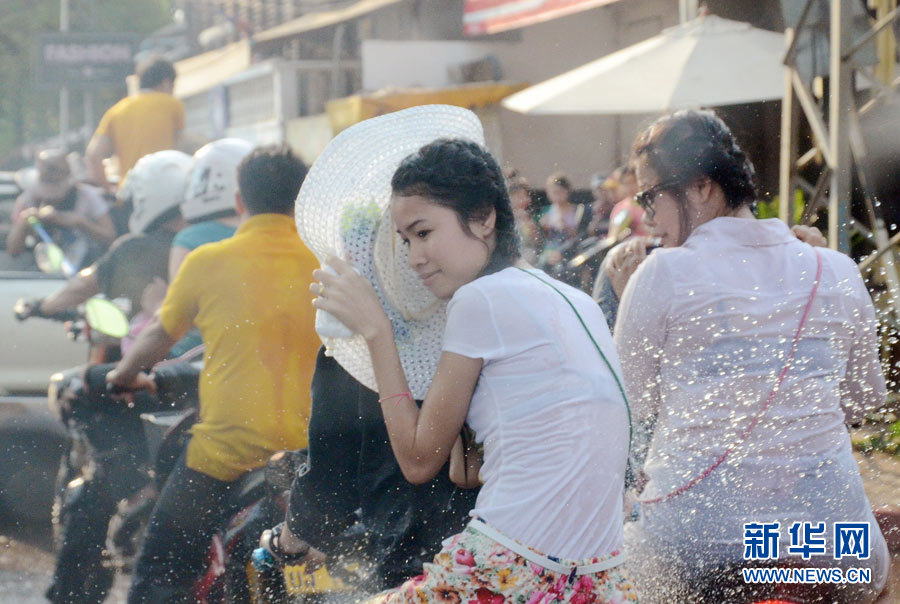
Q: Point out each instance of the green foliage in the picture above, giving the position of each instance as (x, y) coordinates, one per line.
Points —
(769, 209)
(885, 437)
(28, 114)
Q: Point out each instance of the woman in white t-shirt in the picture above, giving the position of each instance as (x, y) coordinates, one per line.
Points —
(749, 349)
(529, 363)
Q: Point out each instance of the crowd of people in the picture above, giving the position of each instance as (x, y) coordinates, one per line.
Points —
(554, 233)
(710, 374)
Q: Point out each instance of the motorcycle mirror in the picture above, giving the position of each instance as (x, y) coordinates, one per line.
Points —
(49, 257)
(107, 318)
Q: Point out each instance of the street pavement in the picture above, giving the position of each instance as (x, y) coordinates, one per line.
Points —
(26, 566)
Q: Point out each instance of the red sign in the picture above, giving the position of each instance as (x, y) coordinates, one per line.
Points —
(492, 16)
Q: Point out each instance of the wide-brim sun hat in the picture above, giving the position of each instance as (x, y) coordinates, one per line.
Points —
(343, 210)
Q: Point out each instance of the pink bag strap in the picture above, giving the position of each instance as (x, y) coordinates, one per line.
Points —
(750, 426)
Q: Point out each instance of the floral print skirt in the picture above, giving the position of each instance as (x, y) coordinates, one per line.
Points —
(472, 568)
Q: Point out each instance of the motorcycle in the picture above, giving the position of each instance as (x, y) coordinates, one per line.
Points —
(346, 578)
(728, 585)
(101, 323)
(261, 501)
(589, 249)
(581, 258)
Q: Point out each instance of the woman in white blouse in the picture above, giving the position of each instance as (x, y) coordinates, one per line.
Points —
(528, 363)
(745, 430)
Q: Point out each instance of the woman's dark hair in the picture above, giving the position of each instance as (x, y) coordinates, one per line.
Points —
(689, 144)
(560, 179)
(464, 177)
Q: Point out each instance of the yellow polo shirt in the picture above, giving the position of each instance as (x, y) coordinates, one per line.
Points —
(142, 124)
(249, 296)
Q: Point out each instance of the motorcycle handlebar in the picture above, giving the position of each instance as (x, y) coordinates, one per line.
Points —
(26, 309)
(115, 389)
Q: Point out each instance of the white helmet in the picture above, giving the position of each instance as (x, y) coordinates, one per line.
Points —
(155, 185)
(213, 182)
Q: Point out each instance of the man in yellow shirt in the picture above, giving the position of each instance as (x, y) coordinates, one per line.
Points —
(150, 121)
(249, 297)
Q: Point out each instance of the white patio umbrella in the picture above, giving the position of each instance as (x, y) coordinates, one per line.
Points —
(708, 61)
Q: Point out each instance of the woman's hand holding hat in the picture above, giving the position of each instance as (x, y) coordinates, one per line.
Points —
(344, 205)
(350, 298)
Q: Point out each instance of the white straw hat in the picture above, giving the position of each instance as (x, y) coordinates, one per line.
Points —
(342, 210)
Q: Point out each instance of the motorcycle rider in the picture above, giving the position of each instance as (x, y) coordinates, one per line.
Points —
(149, 121)
(208, 206)
(248, 296)
(136, 259)
(75, 213)
(135, 263)
(351, 467)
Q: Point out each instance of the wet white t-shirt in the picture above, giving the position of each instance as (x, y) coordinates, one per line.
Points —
(548, 410)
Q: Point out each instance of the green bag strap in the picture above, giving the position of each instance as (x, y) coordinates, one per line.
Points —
(600, 350)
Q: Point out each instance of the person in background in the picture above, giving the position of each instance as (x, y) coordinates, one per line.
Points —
(135, 268)
(563, 224)
(151, 120)
(601, 207)
(134, 261)
(209, 202)
(708, 330)
(529, 230)
(625, 188)
(75, 214)
(247, 295)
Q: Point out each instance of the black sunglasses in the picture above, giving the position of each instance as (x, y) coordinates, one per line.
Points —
(647, 197)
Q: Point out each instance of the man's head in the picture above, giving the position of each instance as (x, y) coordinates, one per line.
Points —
(269, 180)
(603, 192)
(156, 73)
(54, 176)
